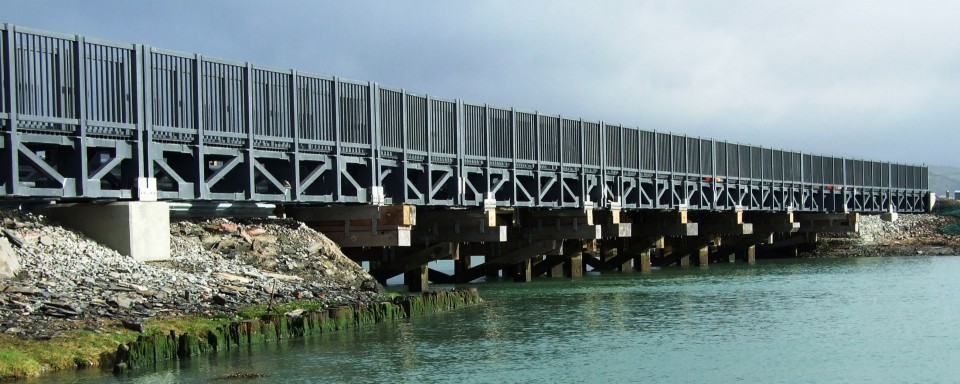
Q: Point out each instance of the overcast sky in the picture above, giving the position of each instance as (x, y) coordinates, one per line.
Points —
(872, 79)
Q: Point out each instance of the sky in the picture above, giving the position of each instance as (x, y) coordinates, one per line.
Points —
(878, 80)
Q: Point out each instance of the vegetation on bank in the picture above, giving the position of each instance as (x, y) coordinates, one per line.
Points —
(118, 348)
(948, 207)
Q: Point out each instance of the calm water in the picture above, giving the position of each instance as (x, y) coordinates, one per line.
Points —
(882, 320)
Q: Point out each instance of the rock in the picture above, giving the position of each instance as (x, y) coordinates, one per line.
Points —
(282, 277)
(13, 237)
(23, 290)
(9, 261)
(230, 289)
(294, 313)
(231, 277)
(122, 301)
(219, 300)
(135, 326)
(47, 240)
(13, 330)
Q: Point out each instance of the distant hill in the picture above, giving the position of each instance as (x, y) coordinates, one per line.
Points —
(944, 178)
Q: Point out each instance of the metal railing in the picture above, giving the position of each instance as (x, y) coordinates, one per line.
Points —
(58, 88)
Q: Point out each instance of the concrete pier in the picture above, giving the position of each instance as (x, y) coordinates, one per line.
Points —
(137, 229)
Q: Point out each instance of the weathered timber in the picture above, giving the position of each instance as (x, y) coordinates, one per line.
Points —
(722, 223)
(772, 222)
(360, 225)
(459, 225)
(828, 222)
(508, 257)
(406, 259)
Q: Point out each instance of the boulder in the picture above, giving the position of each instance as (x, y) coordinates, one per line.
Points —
(9, 262)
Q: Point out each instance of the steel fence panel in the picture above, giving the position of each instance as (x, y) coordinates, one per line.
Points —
(45, 80)
(475, 130)
(417, 138)
(571, 141)
(391, 119)
(501, 134)
(526, 139)
(549, 139)
(172, 95)
(443, 130)
(224, 103)
(109, 75)
(614, 145)
(706, 157)
(648, 150)
(591, 143)
(271, 109)
(630, 145)
(664, 152)
(354, 113)
(317, 113)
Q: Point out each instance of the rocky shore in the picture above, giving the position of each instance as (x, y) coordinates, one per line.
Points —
(68, 282)
(909, 235)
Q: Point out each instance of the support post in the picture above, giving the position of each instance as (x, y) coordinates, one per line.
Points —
(703, 258)
(641, 263)
(523, 272)
(417, 279)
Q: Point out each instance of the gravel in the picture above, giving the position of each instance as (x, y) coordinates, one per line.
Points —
(910, 234)
(68, 281)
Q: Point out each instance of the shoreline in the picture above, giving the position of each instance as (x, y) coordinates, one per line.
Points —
(121, 350)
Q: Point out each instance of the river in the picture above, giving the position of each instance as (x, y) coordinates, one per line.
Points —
(868, 320)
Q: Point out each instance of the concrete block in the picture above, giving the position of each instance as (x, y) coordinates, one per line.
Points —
(137, 229)
(9, 262)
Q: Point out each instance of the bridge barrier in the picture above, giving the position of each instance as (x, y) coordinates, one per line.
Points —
(84, 118)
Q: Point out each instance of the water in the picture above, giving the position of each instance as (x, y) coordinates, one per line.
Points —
(876, 320)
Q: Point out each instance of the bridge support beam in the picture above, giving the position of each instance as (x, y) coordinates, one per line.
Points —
(360, 225)
(137, 229)
(828, 222)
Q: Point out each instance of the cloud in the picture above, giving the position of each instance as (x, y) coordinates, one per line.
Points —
(862, 78)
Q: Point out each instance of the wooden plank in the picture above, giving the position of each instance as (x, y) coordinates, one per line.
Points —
(392, 237)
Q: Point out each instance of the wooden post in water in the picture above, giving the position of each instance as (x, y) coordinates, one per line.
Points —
(494, 253)
(523, 272)
(684, 261)
(417, 279)
(642, 262)
(462, 263)
(703, 256)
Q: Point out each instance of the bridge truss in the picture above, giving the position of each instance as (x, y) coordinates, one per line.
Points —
(89, 119)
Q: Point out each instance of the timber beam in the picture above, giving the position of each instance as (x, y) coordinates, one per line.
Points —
(557, 225)
(722, 223)
(620, 253)
(407, 258)
(772, 222)
(519, 252)
(611, 223)
(459, 225)
(662, 223)
(828, 222)
(360, 225)
(678, 250)
(558, 263)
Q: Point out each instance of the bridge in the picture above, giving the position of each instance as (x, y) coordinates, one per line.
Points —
(397, 178)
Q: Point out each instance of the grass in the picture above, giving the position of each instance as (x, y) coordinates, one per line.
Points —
(24, 358)
(21, 357)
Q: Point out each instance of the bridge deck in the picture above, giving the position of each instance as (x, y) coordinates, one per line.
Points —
(90, 119)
